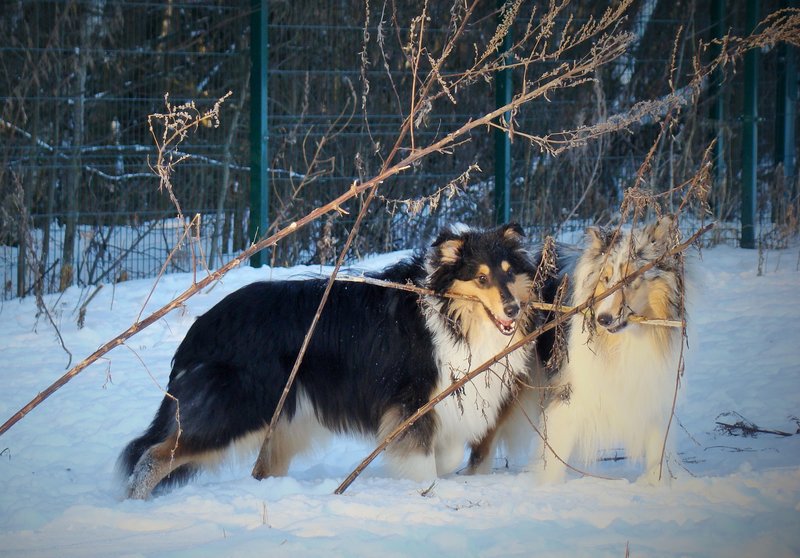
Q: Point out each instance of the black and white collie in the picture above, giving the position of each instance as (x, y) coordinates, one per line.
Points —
(377, 355)
(615, 387)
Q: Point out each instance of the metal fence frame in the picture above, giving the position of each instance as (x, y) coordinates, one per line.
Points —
(122, 225)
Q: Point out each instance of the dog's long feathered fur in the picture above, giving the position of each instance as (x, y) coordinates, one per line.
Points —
(377, 355)
(616, 385)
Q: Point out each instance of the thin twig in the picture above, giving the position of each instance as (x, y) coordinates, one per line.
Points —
(46, 311)
(260, 467)
(560, 308)
(750, 429)
(82, 309)
(38, 284)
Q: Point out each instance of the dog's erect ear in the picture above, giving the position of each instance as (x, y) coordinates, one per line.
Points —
(512, 232)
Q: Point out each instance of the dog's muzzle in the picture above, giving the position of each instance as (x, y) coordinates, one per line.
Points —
(508, 324)
(610, 323)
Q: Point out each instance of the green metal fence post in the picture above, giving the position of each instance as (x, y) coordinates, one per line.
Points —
(259, 130)
(750, 133)
(502, 143)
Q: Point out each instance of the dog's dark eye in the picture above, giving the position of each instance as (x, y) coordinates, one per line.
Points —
(482, 279)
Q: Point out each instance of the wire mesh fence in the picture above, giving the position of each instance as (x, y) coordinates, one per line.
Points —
(81, 204)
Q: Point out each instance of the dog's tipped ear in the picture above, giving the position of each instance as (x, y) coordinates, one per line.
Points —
(512, 232)
(665, 225)
(445, 235)
(599, 238)
(660, 231)
(450, 250)
(448, 245)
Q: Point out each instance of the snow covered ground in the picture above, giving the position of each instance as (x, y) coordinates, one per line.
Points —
(732, 495)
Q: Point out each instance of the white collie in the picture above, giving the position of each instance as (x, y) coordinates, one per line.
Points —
(617, 384)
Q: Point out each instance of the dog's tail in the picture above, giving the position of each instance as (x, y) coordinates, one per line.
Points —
(163, 425)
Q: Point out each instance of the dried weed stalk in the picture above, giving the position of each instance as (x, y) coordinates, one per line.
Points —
(29, 245)
(415, 206)
(318, 164)
(175, 125)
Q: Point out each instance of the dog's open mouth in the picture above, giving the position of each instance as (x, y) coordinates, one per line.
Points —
(506, 327)
(618, 327)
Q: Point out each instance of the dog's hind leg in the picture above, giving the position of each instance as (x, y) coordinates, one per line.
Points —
(155, 464)
(411, 455)
(290, 437)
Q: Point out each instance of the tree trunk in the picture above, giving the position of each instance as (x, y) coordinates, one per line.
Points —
(90, 24)
(217, 246)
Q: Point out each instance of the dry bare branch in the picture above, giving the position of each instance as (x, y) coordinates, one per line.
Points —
(533, 305)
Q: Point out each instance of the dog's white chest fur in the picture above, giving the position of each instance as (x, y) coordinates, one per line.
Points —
(467, 414)
(627, 387)
(616, 391)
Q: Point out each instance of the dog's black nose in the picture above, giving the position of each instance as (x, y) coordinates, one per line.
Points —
(605, 319)
(511, 309)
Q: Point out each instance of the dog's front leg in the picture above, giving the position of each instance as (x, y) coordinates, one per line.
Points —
(654, 473)
(560, 433)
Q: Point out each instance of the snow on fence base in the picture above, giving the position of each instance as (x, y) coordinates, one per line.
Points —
(108, 253)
